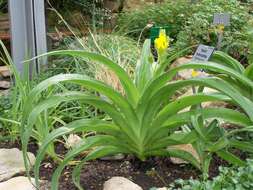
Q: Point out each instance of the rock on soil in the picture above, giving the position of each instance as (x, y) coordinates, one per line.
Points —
(21, 183)
(12, 163)
(5, 84)
(186, 73)
(114, 157)
(120, 183)
(73, 141)
(5, 71)
(185, 147)
(212, 104)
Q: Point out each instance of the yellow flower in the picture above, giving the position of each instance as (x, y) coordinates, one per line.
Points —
(220, 28)
(195, 73)
(162, 42)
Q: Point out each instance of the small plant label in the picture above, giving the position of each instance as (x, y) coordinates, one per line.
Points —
(203, 53)
(221, 18)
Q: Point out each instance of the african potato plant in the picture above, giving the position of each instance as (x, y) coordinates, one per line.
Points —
(142, 118)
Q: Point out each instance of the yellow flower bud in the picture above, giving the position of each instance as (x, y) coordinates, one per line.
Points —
(162, 42)
(220, 28)
(195, 73)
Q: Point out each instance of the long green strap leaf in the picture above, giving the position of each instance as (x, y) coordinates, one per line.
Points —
(143, 67)
(95, 141)
(231, 158)
(130, 89)
(184, 102)
(224, 59)
(153, 105)
(173, 152)
(97, 153)
(117, 99)
(216, 68)
(245, 146)
(181, 119)
(225, 114)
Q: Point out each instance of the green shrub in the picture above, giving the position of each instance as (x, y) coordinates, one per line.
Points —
(199, 29)
(229, 178)
(194, 26)
(170, 13)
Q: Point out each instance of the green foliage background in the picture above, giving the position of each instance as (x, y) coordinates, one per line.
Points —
(192, 23)
(199, 29)
(229, 178)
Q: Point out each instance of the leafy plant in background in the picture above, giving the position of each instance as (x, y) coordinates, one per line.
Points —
(194, 26)
(11, 118)
(229, 178)
(170, 13)
(5, 131)
(143, 117)
(83, 5)
(199, 29)
(92, 12)
(3, 6)
(123, 50)
(95, 9)
(249, 35)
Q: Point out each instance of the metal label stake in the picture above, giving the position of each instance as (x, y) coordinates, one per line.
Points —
(221, 20)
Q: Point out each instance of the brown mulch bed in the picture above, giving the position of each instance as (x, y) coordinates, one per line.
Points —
(155, 172)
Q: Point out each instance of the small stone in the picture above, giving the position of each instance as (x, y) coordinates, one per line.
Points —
(186, 73)
(186, 147)
(164, 188)
(5, 84)
(212, 104)
(72, 141)
(12, 163)
(22, 183)
(113, 158)
(5, 71)
(120, 183)
(48, 165)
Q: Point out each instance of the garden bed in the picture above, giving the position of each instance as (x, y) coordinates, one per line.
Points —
(155, 172)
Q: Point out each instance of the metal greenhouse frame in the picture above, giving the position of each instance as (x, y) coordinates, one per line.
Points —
(28, 31)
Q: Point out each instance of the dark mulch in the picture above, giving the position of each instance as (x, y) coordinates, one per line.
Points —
(155, 172)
